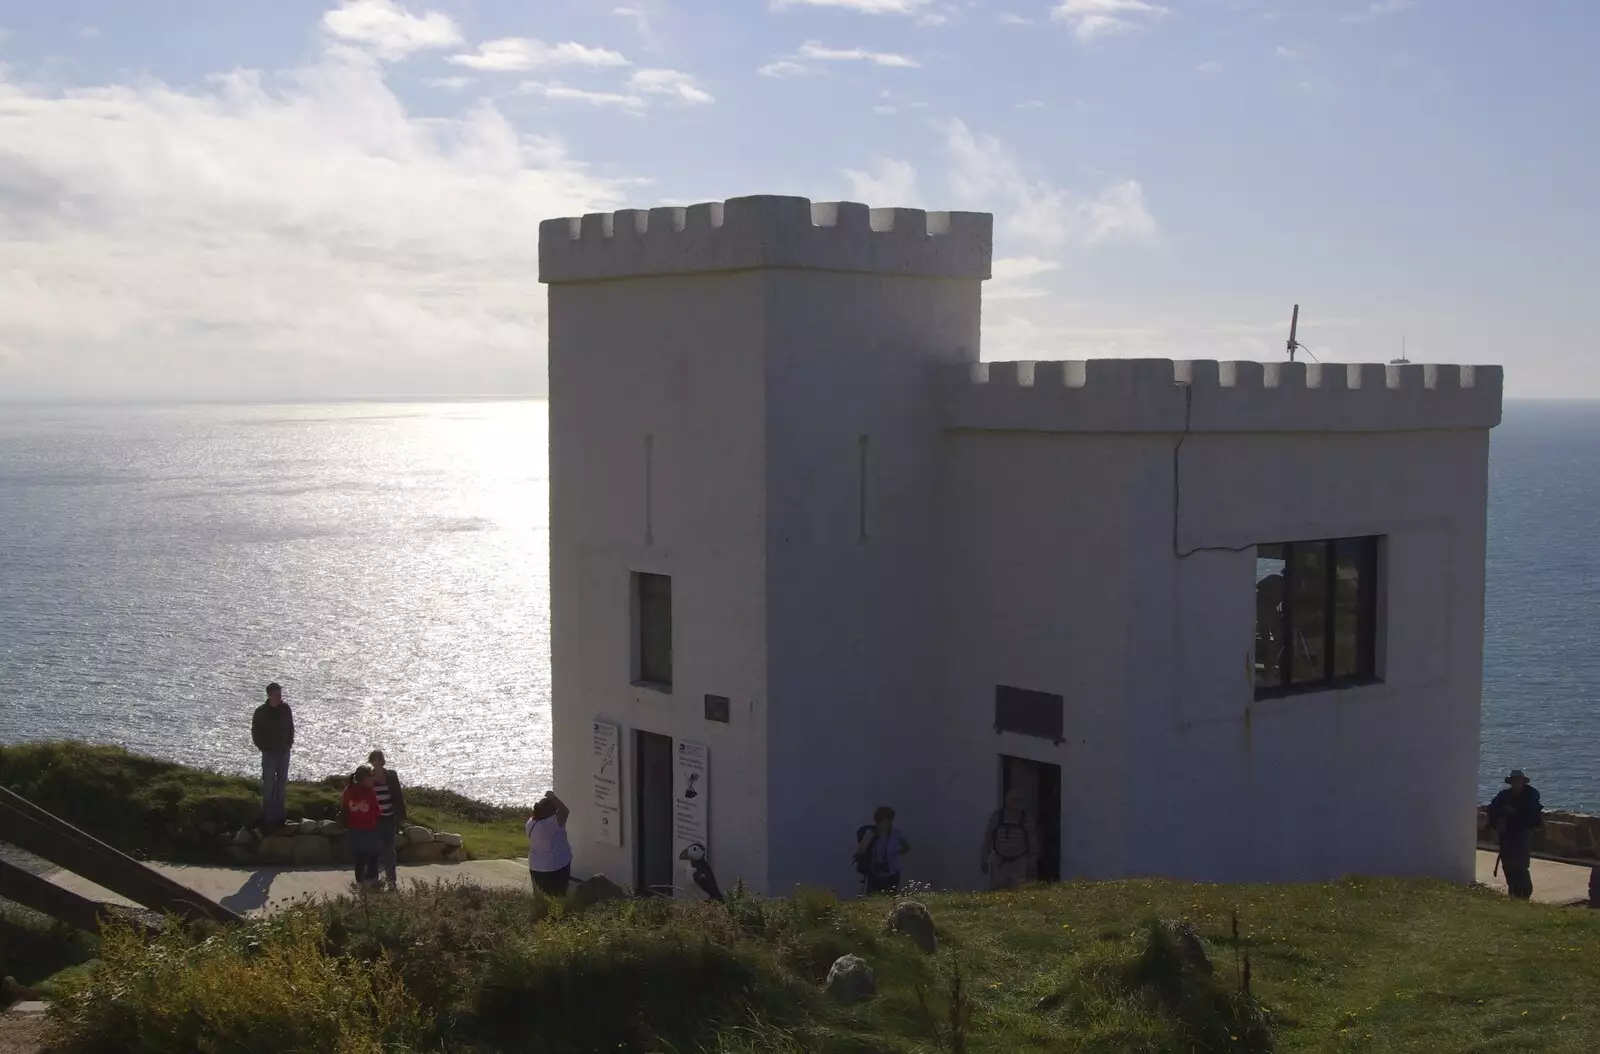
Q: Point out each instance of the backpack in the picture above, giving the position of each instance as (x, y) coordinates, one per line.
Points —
(863, 859)
(1021, 828)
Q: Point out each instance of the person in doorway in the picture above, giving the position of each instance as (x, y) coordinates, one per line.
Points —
(549, 853)
(1515, 814)
(361, 814)
(272, 729)
(391, 814)
(879, 847)
(1009, 845)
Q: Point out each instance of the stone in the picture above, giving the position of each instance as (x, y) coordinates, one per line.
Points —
(596, 890)
(910, 918)
(447, 839)
(208, 828)
(329, 827)
(851, 980)
(1187, 943)
(312, 852)
(244, 836)
(276, 849)
(418, 835)
(240, 854)
(421, 853)
(307, 826)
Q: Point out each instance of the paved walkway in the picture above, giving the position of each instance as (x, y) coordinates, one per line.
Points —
(1553, 883)
(254, 890)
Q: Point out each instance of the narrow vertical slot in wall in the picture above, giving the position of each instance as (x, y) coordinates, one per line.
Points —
(861, 489)
(649, 489)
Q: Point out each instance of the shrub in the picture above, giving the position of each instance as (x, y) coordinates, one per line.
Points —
(263, 988)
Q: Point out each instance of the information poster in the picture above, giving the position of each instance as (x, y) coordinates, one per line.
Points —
(607, 802)
(691, 793)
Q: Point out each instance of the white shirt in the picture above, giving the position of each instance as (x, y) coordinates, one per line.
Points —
(548, 849)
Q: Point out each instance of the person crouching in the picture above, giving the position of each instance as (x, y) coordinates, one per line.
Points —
(361, 813)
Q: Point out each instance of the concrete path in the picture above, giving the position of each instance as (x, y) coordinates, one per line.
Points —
(256, 890)
(1552, 883)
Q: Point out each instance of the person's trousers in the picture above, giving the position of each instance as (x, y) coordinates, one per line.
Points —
(883, 884)
(274, 787)
(388, 830)
(1519, 883)
(364, 852)
(1007, 874)
(552, 883)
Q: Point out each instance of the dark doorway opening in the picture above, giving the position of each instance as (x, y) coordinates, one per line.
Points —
(653, 867)
(1040, 786)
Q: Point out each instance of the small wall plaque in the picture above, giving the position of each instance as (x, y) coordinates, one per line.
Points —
(717, 708)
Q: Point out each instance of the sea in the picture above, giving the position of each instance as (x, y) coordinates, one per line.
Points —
(387, 562)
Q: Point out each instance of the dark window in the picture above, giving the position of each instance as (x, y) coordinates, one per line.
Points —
(1316, 615)
(1028, 713)
(717, 708)
(653, 608)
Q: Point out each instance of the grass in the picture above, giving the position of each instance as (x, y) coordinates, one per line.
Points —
(155, 809)
(1352, 966)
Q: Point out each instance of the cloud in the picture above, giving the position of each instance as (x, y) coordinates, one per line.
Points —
(567, 93)
(1010, 277)
(784, 68)
(892, 184)
(389, 30)
(1009, 19)
(865, 7)
(1098, 18)
(678, 85)
(1380, 9)
(1209, 67)
(817, 52)
(525, 53)
(448, 83)
(298, 234)
(984, 174)
(1031, 104)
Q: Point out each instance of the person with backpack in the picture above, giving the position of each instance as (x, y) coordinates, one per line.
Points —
(879, 847)
(1009, 845)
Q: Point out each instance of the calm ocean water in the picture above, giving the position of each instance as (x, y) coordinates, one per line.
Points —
(388, 564)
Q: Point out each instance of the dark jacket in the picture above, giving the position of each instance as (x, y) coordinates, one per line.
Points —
(1515, 818)
(273, 728)
(397, 797)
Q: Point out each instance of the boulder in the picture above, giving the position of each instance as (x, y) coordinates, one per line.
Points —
(244, 836)
(241, 854)
(421, 853)
(207, 828)
(313, 852)
(306, 826)
(276, 849)
(910, 918)
(596, 890)
(447, 839)
(851, 980)
(1186, 943)
(329, 827)
(418, 835)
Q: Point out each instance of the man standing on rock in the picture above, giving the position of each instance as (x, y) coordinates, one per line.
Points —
(272, 728)
(1515, 814)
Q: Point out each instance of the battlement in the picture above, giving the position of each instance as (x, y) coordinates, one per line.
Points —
(1163, 395)
(768, 231)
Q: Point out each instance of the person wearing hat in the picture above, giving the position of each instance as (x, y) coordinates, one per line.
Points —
(1515, 814)
(272, 729)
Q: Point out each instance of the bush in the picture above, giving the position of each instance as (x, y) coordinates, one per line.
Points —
(263, 988)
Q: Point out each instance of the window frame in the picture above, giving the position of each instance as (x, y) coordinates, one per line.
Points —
(641, 677)
(1368, 619)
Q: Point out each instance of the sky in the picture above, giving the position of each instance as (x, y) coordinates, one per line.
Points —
(299, 198)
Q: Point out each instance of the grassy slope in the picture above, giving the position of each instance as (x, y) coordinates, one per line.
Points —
(1353, 966)
(154, 809)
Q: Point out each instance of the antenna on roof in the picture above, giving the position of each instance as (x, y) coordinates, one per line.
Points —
(1294, 328)
(1402, 360)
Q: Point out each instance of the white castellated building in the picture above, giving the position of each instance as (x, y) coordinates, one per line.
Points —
(1217, 621)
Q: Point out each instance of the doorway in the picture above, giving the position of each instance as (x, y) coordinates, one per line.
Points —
(1039, 784)
(653, 868)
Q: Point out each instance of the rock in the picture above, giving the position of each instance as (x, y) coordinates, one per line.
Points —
(851, 980)
(1187, 944)
(421, 853)
(418, 835)
(276, 849)
(306, 826)
(312, 852)
(910, 918)
(596, 890)
(447, 839)
(12, 992)
(207, 828)
(241, 854)
(244, 836)
(327, 828)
